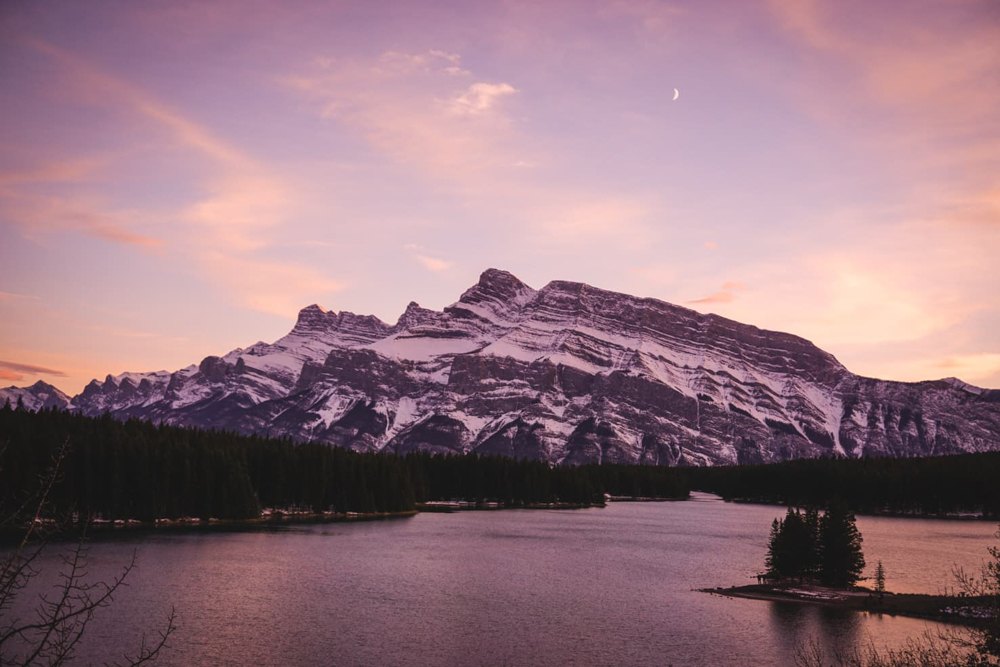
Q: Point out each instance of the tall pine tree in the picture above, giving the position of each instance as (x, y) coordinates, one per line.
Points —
(792, 546)
(841, 558)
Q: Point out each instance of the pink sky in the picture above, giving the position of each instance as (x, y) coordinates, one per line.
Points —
(178, 179)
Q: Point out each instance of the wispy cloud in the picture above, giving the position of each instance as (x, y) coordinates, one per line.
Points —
(725, 295)
(903, 62)
(890, 306)
(429, 262)
(14, 296)
(481, 97)
(16, 371)
(923, 99)
(231, 222)
(71, 170)
(464, 132)
(240, 207)
(274, 287)
(99, 85)
(918, 97)
(25, 201)
(977, 368)
(561, 220)
(974, 368)
(90, 215)
(416, 108)
(433, 263)
(137, 334)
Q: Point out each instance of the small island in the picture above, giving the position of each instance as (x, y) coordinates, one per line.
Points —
(975, 611)
(817, 559)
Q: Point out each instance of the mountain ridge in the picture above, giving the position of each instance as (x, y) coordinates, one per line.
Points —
(568, 373)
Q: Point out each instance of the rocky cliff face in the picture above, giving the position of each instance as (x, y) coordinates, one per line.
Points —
(568, 373)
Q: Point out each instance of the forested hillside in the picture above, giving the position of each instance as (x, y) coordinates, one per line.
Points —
(965, 483)
(137, 470)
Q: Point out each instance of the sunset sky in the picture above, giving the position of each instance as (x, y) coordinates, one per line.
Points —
(178, 179)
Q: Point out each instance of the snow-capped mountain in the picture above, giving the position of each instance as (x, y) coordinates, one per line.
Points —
(568, 373)
(38, 396)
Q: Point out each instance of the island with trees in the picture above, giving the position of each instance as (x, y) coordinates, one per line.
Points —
(817, 558)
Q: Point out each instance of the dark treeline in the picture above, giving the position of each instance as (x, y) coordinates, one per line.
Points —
(935, 485)
(138, 470)
(639, 481)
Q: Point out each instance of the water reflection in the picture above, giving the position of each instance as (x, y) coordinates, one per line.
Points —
(832, 631)
(594, 587)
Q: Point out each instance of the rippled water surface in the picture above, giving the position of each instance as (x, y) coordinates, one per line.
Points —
(610, 586)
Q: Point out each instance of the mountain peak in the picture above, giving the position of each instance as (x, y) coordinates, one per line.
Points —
(499, 292)
(41, 386)
(414, 314)
(313, 317)
(501, 279)
(316, 322)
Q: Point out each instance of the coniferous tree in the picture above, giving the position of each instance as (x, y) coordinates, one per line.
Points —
(792, 547)
(812, 518)
(880, 579)
(773, 559)
(841, 558)
(827, 547)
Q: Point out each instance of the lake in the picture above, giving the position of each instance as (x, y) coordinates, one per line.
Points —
(611, 586)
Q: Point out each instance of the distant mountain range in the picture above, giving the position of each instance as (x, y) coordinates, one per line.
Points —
(567, 373)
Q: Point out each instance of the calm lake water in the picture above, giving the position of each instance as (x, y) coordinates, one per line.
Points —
(610, 586)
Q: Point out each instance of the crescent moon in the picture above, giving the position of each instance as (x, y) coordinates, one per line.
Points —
(677, 94)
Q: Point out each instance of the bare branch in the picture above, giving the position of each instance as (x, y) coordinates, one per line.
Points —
(146, 653)
(62, 615)
(49, 480)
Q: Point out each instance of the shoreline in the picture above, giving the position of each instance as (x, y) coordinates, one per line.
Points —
(276, 519)
(961, 516)
(122, 528)
(955, 610)
(451, 506)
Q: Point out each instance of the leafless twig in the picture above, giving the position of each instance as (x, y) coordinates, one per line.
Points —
(62, 618)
